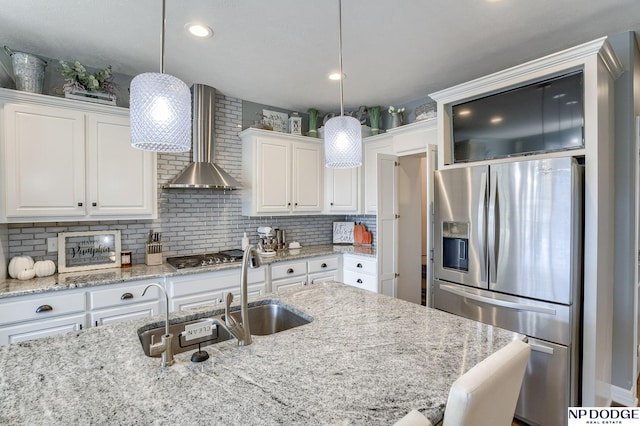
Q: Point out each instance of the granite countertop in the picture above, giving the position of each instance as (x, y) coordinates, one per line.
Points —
(13, 287)
(365, 359)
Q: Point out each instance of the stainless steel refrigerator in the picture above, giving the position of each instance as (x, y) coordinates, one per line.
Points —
(508, 252)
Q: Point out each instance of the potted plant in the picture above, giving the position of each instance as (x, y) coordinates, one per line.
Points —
(90, 86)
(396, 116)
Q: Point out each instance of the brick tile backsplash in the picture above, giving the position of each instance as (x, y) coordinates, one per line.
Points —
(191, 221)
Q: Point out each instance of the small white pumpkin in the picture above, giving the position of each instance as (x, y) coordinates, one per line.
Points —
(44, 268)
(26, 274)
(20, 263)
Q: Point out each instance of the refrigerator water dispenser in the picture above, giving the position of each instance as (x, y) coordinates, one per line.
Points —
(455, 245)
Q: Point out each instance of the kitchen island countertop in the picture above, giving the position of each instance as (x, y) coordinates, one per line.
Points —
(13, 287)
(364, 359)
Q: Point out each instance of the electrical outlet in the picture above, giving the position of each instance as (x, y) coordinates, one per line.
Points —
(52, 244)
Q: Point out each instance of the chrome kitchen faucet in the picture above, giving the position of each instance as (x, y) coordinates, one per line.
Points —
(242, 331)
(164, 347)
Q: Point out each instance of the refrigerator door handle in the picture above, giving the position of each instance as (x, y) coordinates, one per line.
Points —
(482, 227)
(541, 348)
(497, 302)
(491, 227)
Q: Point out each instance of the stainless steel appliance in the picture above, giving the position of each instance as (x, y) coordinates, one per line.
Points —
(508, 241)
(205, 259)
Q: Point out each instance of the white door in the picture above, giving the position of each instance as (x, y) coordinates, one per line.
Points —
(273, 176)
(411, 226)
(45, 161)
(307, 177)
(387, 223)
(120, 177)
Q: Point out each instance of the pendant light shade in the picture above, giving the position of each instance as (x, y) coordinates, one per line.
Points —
(160, 112)
(160, 108)
(342, 143)
(343, 134)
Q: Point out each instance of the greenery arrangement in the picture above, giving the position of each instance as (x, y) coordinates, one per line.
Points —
(78, 78)
(374, 118)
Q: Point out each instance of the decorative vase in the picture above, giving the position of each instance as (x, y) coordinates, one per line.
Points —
(313, 122)
(374, 119)
(396, 119)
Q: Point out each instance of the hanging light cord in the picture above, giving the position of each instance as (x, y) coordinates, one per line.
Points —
(340, 50)
(164, 23)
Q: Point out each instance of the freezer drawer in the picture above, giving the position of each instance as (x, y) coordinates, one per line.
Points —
(545, 392)
(542, 320)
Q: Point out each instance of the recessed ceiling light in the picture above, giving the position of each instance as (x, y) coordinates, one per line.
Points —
(496, 120)
(336, 76)
(198, 30)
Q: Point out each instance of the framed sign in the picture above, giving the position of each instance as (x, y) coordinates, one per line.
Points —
(83, 251)
(343, 232)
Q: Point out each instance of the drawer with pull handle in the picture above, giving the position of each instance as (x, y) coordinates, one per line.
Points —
(122, 295)
(17, 309)
(323, 264)
(288, 269)
(363, 281)
(360, 264)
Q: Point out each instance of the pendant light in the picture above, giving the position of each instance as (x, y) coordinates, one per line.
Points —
(160, 109)
(343, 134)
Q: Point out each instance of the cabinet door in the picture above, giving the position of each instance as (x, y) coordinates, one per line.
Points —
(323, 277)
(121, 179)
(342, 191)
(44, 158)
(307, 177)
(124, 313)
(38, 329)
(273, 176)
(195, 301)
(371, 151)
(280, 285)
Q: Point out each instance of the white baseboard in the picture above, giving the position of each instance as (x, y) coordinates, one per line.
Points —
(623, 396)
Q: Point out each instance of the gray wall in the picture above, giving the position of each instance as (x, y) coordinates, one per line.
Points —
(627, 99)
(192, 221)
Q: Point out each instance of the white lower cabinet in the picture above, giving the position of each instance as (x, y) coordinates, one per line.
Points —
(32, 317)
(323, 269)
(286, 275)
(190, 291)
(123, 302)
(361, 272)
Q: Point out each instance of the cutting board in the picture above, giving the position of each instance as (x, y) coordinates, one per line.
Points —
(359, 234)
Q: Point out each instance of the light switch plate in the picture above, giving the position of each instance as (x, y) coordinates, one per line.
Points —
(52, 244)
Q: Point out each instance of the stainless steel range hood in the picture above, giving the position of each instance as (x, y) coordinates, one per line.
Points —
(203, 172)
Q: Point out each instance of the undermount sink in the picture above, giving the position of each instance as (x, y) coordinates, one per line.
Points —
(272, 317)
(179, 344)
(265, 317)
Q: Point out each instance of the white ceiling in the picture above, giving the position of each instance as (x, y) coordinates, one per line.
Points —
(279, 52)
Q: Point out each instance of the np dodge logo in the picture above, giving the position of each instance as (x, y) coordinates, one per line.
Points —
(603, 416)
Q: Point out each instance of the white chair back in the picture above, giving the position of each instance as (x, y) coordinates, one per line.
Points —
(487, 394)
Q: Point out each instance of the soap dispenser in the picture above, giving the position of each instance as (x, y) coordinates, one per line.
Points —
(245, 241)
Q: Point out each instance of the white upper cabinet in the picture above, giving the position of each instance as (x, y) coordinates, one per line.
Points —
(121, 179)
(69, 160)
(44, 161)
(282, 174)
(342, 190)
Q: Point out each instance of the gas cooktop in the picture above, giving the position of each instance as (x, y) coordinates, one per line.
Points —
(206, 259)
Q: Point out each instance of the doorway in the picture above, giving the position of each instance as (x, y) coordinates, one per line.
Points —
(412, 228)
